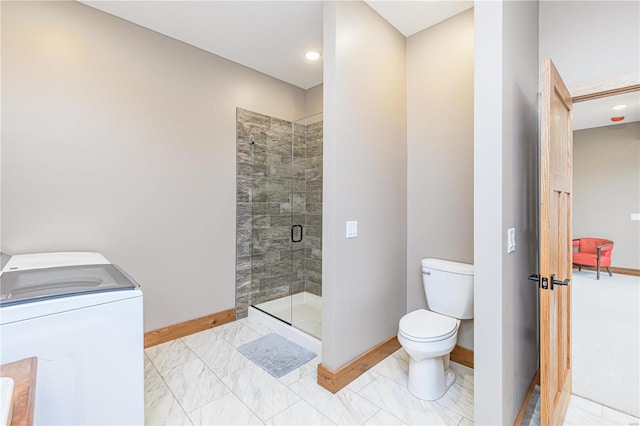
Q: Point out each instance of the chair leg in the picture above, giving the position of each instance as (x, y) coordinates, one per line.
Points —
(609, 271)
(598, 270)
(579, 268)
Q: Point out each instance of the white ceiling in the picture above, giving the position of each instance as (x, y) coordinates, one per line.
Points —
(598, 112)
(272, 36)
(410, 17)
(269, 36)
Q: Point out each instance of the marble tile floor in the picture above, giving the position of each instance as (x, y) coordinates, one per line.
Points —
(303, 310)
(580, 412)
(203, 379)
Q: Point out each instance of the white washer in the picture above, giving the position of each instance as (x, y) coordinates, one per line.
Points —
(81, 316)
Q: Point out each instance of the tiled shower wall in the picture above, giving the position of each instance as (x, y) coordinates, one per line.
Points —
(275, 191)
(313, 209)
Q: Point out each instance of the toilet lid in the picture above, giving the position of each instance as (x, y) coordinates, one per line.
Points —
(423, 325)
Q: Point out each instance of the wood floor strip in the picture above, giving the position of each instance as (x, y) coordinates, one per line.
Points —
(333, 381)
(182, 329)
(614, 270)
(462, 356)
(527, 398)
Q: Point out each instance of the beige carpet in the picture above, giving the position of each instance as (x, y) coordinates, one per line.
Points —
(606, 340)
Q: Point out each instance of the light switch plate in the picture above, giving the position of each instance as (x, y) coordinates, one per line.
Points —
(352, 229)
(511, 240)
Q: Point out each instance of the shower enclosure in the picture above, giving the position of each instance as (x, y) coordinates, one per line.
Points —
(282, 166)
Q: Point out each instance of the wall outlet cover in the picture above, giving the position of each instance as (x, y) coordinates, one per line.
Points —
(511, 240)
(352, 229)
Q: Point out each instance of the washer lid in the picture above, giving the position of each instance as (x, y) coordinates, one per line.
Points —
(21, 262)
(423, 325)
(31, 285)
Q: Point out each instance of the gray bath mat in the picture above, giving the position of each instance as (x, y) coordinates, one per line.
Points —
(275, 354)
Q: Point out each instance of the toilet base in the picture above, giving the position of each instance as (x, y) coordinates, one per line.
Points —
(430, 378)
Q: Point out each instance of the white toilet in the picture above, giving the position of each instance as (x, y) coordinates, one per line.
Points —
(429, 336)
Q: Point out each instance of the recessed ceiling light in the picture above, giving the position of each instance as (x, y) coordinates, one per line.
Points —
(312, 56)
(619, 107)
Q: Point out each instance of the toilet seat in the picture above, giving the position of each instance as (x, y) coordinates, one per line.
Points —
(426, 326)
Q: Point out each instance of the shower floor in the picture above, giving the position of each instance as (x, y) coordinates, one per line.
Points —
(302, 310)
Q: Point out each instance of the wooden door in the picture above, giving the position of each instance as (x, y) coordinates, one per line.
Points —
(555, 246)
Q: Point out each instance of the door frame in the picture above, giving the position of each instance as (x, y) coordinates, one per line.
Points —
(604, 93)
(586, 92)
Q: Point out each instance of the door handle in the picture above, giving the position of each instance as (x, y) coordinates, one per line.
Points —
(557, 282)
(544, 282)
(293, 228)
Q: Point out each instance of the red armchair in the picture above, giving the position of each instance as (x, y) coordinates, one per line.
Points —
(594, 252)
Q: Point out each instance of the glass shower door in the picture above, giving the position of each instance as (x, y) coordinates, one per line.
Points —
(306, 299)
(299, 234)
(273, 223)
(286, 226)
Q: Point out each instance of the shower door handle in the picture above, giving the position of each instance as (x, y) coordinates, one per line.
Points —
(293, 231)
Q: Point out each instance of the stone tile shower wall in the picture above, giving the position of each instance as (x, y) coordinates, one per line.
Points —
(275, 191)
(313, 209)
(250, 127)
(277, 264)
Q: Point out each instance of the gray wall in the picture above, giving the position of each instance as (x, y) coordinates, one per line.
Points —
(313, 101)
(365, 175)
(505, 133)
(440, 152)
(520, 83)
(1, 79)
(590, 40)
(606, 188)
(120, 140)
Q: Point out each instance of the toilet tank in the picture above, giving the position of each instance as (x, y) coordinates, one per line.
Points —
(448, 287)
